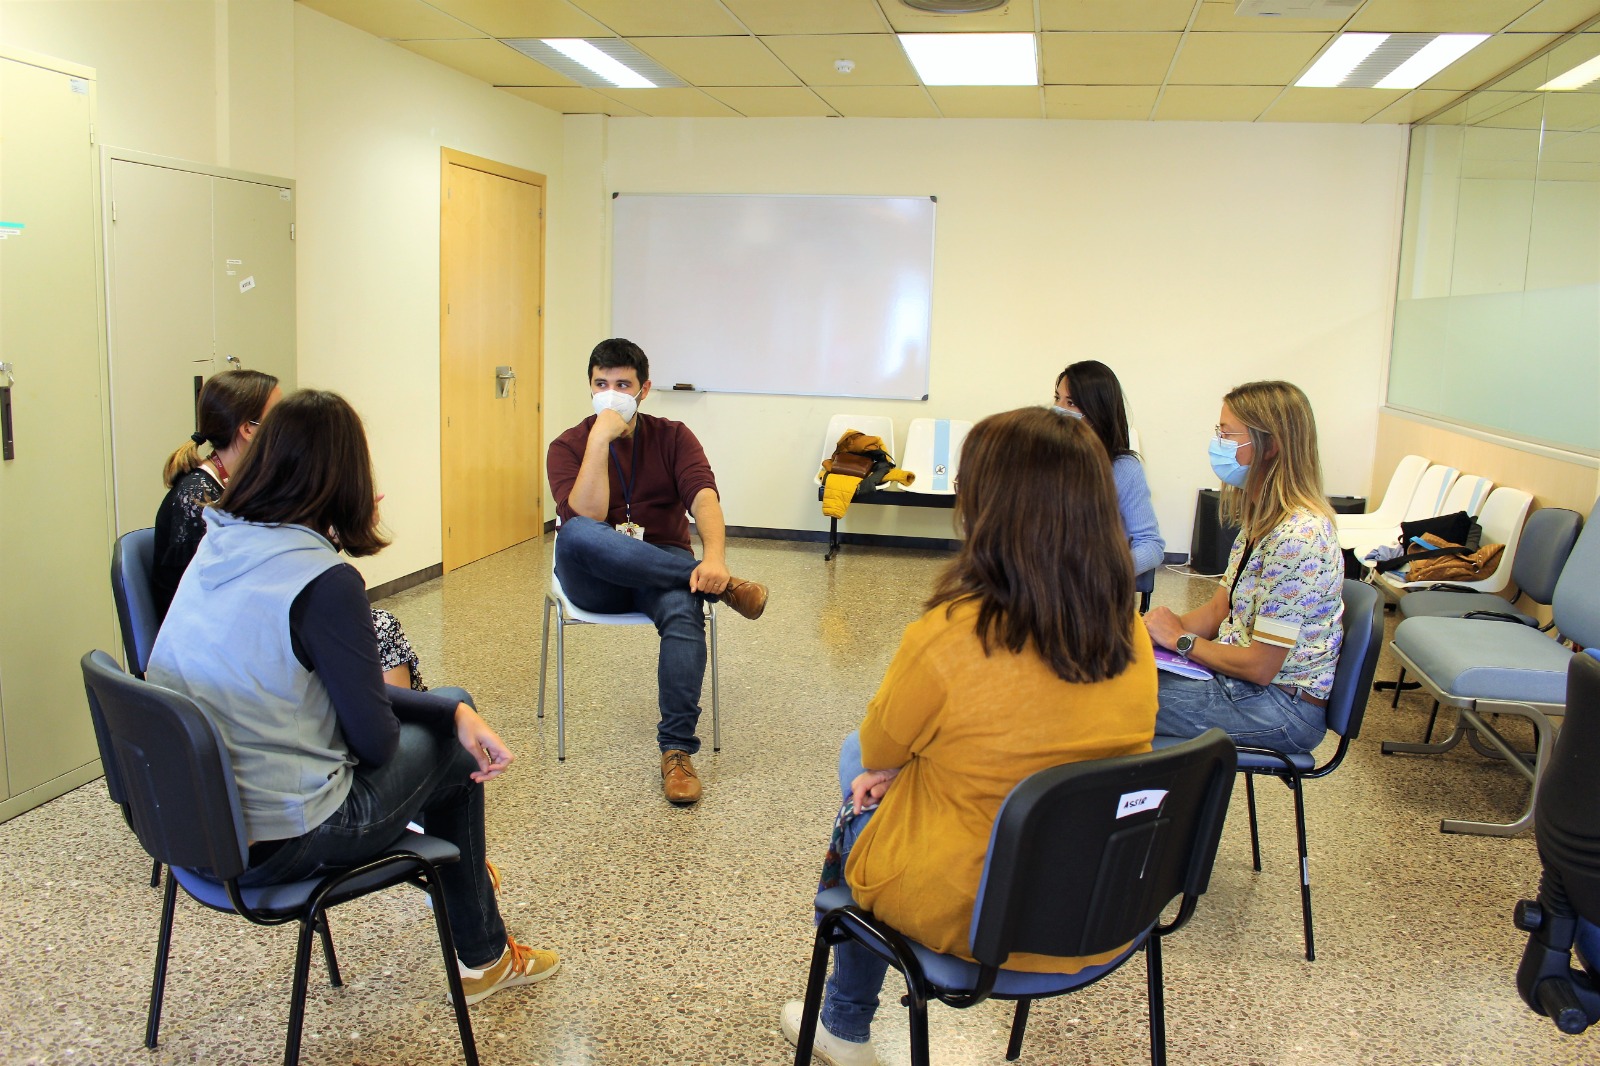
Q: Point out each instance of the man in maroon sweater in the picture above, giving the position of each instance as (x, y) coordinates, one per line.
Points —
(622, 482)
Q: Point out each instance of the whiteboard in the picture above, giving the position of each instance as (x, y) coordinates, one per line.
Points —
(803, 295)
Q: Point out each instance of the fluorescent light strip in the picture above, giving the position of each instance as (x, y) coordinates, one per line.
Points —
(973, 58)
(1576, 78)
(1431, 59)
(1342, 56)
(587, 55)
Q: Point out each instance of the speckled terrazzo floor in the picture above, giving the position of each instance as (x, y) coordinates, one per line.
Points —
(683, 930)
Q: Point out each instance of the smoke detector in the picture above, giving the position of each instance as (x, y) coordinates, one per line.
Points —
(954, 7)
(1296, 9)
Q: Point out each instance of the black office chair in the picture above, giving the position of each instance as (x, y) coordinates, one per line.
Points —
(168, 765)
(1568, 831)
(132, 562)
(1084, 859)
(1144, 584)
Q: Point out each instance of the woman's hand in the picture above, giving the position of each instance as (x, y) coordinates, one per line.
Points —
(1164, 626)
(482, 744)
(868, 788)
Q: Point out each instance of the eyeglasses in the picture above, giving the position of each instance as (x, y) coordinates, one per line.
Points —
(1222, 434)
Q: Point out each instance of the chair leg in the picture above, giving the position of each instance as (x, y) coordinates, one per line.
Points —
(544, 651)
(326, 935)
(1250, 801)
(1398, 682)
(1019, 1026)
(1157, 987)
(716, 717)
(1305, 866)
(297, 995)
(919, 1032)
(158, 986)
(447, 947)
(806, 1039)
(561, 686)
(155, 874)
(1432, 718)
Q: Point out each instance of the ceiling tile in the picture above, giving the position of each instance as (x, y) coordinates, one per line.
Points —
(1488, 61)
(879, 101)
(1108, 58)
(779, 101)
(1245, 58)
(718, 60)
(766, 17)
(1125, 15)
(573, 101)
(1015, 16)
(395, 19)
(672, 103)
(1484, 106)
(1218, 16)
(490, 61)
(1437, 16)
(1571, 148)
(1416, 105)
(878, 57)
(1131, 102)
(1215, 103)
(1330, 105)
(988, 101)
(662, 18)
(523, 18)
(1572, 111)
(1557, 16)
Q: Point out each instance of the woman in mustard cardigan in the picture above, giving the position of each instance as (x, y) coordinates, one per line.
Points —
(1029, 655)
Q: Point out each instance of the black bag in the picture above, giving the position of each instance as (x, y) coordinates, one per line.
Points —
(1457, 528)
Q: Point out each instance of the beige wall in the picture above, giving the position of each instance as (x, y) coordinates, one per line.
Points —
(1190, 257)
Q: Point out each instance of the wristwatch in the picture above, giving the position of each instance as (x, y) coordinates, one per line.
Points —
(1185, 643)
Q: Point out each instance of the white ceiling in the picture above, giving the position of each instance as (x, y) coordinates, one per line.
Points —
(1100, 59)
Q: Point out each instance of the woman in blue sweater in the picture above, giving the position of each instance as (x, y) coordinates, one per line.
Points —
(1090, 391)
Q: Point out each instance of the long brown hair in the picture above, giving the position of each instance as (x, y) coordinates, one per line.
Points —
(1285, 467)
(309, 466)
(227, 401)
(1045, 558)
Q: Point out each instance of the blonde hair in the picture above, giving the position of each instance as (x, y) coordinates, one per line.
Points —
(226, 402)
(1285, 469)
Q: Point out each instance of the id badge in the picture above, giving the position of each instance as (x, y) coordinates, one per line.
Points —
(631, 529)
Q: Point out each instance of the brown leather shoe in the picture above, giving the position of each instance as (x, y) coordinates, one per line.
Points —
(747, 597)
(678, 779)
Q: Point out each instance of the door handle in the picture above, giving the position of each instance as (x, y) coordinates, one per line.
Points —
(8, 448)
(504, 377)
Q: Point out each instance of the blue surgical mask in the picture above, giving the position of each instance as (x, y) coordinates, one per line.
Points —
(1069, 412)
(1225, 464)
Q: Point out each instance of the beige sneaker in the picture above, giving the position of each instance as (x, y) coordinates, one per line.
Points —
(517, 965)
(827, 1048)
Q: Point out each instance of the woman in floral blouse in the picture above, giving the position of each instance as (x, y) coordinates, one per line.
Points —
(1271, 633)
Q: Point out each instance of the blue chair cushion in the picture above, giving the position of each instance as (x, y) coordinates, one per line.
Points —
(1480, 660)
(1456, 604)
(951, 973)
(293, 896)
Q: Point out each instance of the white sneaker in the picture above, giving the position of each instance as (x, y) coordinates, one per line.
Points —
(826, 1048)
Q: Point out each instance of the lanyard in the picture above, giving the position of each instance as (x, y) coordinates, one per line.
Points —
(633, 474)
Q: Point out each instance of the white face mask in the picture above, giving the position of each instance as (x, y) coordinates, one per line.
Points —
(620, 402)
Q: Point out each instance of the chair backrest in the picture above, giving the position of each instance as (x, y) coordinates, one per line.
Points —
(933, 453)
(872, 425)
(1358, 658)
(1427, 500)
(1547, 540)
(1402, 486)
(1133, 439)
(132, 563)
(1577, 600)
(168, 762)
(1469, 493)
(1502, 518)
(1085, 857)
(1568, 829)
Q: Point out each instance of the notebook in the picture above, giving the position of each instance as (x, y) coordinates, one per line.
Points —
(1173, 663)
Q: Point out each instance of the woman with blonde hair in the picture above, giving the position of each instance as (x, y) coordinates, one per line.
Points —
(1270, 635)
(1029, 655)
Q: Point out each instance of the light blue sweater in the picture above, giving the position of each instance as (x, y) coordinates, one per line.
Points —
(1138, 516)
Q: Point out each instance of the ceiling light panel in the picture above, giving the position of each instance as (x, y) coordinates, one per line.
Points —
(1580, 76)
(973, 58)
(1386, 60)
(599, 63)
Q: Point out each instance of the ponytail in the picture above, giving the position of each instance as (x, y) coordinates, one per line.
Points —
(226, 402)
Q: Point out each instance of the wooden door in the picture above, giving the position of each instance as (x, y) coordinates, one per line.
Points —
(491, 356)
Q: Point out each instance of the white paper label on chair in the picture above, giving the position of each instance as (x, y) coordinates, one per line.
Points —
(1150, 799)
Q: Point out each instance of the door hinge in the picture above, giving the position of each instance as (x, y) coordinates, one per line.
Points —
(541, 212)
(541, 312)
(113, 210)
(291, 231)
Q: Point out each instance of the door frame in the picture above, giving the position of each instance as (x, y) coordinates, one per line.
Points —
(449, 157)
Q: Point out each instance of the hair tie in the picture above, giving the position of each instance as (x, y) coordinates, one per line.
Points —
(197, 437)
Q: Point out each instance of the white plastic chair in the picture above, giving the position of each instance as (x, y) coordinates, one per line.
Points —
(1427, 501)
(1502, 518)
(1133, 439)
(1396, 498)
(569, 614)
(933, 453)
(881, 426)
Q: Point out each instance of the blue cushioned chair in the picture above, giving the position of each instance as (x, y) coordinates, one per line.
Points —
(132, 562)
(1083, 859)
(169, 765)
(1568, 906)
(1484, 666)
(1347, 707)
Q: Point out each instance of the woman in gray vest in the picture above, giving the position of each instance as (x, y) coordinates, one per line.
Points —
(270, 632)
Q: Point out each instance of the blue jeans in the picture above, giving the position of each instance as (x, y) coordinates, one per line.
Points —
(427, 781)
(851, 999)
(609, 573)
(1261, 716)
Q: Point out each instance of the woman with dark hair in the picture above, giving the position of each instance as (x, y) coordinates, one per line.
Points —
(1090, 390)
(1029, 656)
(271, 634)
(229, 411)
(1271, 633)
